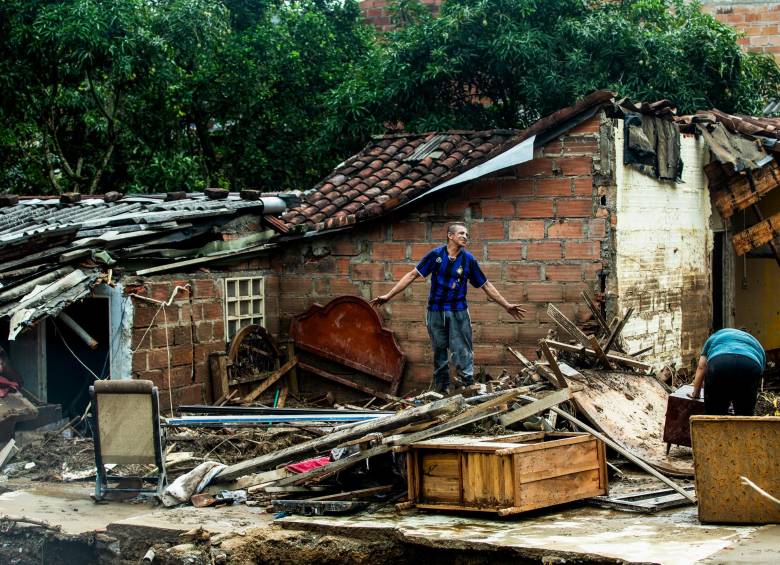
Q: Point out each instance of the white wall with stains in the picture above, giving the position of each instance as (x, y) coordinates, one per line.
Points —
(663, 243)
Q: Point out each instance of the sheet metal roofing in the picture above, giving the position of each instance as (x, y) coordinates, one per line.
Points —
(38, 215)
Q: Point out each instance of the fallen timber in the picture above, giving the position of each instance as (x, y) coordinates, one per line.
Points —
(312, 447)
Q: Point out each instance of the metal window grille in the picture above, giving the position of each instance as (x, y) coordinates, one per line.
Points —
(244, 303)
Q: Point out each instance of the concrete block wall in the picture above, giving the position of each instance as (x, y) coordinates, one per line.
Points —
(539, 231)
(662, 264)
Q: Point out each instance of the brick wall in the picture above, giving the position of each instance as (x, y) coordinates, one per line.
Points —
(759, 21)
(182, 335)
(539, 233)
(377, 13)
(662, 262)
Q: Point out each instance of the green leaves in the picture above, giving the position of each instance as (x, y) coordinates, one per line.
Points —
(181, 94)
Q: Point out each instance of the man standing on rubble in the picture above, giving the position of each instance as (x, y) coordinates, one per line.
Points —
(730, 368)
(449, 323)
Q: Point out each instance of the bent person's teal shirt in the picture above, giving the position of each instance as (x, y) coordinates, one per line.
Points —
(735, 342)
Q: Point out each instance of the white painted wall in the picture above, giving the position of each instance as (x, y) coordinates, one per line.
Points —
(663, 242)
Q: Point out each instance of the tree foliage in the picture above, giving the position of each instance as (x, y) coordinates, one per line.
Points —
(528, 58)
(160, 95)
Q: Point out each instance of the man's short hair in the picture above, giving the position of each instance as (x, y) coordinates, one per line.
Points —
(452, 228)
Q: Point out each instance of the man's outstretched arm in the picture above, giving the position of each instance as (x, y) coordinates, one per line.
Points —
(405, 281)
(513, 310)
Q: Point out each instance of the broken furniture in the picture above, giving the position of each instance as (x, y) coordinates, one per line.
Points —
(126, 430)
(252, 365)
(679, 409)
(349, 332)
(506, 475)
(726, 448)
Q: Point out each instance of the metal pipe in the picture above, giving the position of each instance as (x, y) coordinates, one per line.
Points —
(78, 330)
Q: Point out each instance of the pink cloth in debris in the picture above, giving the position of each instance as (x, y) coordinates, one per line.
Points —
(6, 386)
(308, 464)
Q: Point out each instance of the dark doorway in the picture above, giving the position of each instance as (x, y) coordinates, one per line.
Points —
(717, 281)
(71, 363)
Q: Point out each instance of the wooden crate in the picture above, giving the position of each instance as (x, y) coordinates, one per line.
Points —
(507, 474)
(726, 448)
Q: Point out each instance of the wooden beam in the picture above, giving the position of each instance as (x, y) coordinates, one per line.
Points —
(318, 445)
(558, 381)
(536, 406)
(595, 311)
(522, 358)
(611, 356)
(602, 357)
(756, 235)
(567, 325)
(266, 384)
(618, 329)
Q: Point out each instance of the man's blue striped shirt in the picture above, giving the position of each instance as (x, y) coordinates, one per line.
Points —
(449, 276)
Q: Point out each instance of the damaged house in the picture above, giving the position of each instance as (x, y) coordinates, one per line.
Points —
(605, 197)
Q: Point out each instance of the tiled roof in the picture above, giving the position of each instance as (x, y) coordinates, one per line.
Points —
(736, 123)
(394, 169)
(391, 170)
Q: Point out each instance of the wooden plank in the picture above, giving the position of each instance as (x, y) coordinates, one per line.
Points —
(218, 363)
(440, 477)
(600, 355)
(557, 490)
(756, 235)
(567, 325)
(558, 381)
(522, 358)
(594, 309)
(721, 461)
(293, 378)
(329, 441)
(266, 384)
(536, 406)
(549, 460)
(556, 443)
(611, 356)
(449, 442)
(618, 329)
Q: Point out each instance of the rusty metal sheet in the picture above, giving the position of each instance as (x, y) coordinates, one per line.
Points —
(630, 409)
(347, 330)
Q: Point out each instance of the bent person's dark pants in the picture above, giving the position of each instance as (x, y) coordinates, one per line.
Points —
(731, 379)
(450, 333)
